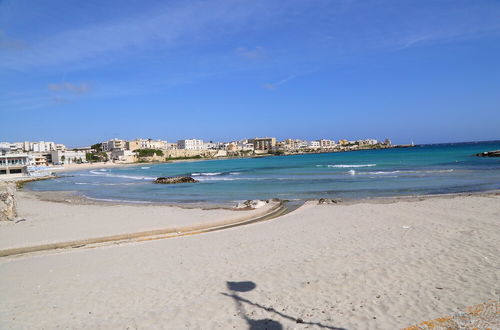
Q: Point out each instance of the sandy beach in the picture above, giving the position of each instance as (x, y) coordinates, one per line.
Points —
(365, 265)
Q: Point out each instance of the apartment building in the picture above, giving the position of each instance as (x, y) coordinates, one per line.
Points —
(60, 157)
(114, 144)
(146, 144)
(326, 144)
(191, 144)
(267, 143)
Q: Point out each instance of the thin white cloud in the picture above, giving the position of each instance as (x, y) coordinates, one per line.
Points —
(69, 87)
(11, 44)
(181, 23)
(273, 86)
(252, 53)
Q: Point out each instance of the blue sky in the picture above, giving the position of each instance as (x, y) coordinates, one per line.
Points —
(79, 72)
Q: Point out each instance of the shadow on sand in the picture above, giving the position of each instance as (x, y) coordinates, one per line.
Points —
(268, 323)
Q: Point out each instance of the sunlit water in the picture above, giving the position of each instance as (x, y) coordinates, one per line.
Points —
(430, 169)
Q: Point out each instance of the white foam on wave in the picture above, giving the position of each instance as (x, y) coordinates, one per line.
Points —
(145, 168)
(103, 184)
(117, 200)
(407, 172)
(351, 165)
(109, 175)
(225, 179)
(206, 174)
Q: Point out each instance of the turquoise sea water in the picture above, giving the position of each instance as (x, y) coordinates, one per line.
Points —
(426, 169)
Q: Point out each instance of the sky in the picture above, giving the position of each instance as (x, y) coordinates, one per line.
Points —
(81, 72)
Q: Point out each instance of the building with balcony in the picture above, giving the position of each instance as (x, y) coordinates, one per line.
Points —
(326, 144)
(114, 144)
(267, 143)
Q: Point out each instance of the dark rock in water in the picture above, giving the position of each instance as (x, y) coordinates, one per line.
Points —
(175, 179)
(494, 153)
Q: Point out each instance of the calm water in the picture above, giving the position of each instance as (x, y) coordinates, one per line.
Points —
(429, 169)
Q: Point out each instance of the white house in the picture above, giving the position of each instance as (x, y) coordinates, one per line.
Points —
(191, 144)
(67, 156)
(313, 144)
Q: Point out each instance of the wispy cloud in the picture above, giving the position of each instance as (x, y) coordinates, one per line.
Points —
(252, 54)
(59, 99)
(69, 87)
(11, 44)
(273, 86)
(176, 24)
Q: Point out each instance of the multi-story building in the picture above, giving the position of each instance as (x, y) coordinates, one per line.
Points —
(42, 146)
(267, 143)
(40, 159)
(326, 144)
(313, 144)
(114, 144)
(67, 156)
(191, 144)
(14, 163)
(146, 144)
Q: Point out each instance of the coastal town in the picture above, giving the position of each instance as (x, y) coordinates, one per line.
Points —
(28, 158)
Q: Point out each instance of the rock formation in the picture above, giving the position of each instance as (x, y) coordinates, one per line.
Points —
(494, 153)
(8, 210)
(175, 179)
(251, 204)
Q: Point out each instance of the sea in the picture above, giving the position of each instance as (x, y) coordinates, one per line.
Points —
(420, 170)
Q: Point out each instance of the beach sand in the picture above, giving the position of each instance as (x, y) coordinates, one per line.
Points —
(364, 265)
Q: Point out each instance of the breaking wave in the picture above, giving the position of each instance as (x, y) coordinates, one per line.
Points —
(403, 172)
(206, 174)
(109, 175)
(347, 165)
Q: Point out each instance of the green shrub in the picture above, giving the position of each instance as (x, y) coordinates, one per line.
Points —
(148, 152)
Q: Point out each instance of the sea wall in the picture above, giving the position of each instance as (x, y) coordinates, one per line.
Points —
(183, 153)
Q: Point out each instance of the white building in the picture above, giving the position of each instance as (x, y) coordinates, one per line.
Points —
(67, 156)
(146, 144)
(122, 155)
(14, 163)
(114, 144)
(42, 146)
(191, 144)
(313, 144)
(326, 144)
(38, 146)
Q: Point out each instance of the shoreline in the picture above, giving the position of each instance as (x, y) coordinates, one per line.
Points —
(84, 166)
(74, 197)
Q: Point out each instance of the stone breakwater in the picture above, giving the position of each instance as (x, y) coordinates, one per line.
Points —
(8, 211)
(174, 180)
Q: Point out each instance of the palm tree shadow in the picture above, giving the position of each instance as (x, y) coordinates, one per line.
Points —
(261, 324)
